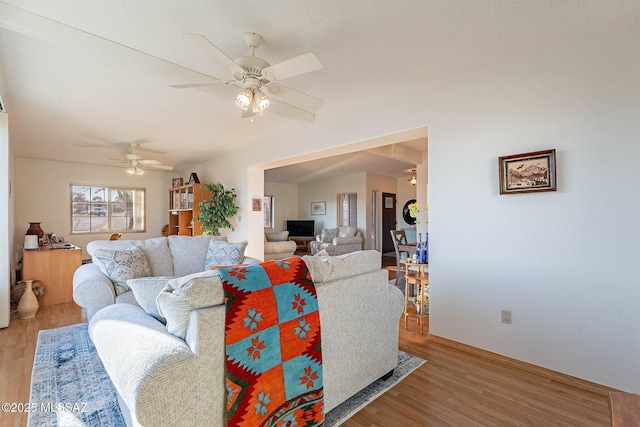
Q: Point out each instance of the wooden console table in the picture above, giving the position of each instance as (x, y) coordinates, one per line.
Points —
(54, 269)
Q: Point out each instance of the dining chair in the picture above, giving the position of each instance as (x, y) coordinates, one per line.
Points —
(399, 238)
(115, 236)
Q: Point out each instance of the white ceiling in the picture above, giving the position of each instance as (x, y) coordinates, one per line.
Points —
(76, 92)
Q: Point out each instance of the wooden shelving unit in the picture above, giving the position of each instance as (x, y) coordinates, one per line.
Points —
(184, 206)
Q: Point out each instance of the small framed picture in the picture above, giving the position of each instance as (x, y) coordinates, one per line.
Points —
(318, 208)
(257, 204)
(528, 172)
(176, 182)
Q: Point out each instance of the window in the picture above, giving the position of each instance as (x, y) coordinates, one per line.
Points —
(348, 209)
(101, 209)
(267, 206)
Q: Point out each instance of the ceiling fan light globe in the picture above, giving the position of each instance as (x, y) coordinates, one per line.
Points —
(244, 99)
(261, 100)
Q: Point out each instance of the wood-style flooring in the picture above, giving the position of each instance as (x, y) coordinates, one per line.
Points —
(454, 388)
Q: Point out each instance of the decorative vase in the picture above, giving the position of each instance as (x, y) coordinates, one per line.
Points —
(34, 229)
(28, 305)
(18, 290)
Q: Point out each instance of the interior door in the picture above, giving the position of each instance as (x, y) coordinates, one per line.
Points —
(388, 221)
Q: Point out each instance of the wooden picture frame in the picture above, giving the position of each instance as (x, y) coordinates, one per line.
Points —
(176, 182)
(528, 172)
(318, 208)
(257, 204)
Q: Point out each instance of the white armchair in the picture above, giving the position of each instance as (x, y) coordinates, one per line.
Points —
(337, 241)
(278, 245)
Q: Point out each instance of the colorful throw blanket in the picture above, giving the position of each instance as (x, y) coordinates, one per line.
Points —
(273, 352)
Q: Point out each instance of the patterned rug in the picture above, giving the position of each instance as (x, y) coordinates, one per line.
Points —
(69, 386)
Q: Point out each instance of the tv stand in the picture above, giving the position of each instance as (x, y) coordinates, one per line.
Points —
(302, 244)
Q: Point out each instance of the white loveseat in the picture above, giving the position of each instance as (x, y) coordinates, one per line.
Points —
(167, 257)
(173, 374)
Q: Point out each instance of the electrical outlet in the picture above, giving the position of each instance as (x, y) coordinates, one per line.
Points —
(506, 316)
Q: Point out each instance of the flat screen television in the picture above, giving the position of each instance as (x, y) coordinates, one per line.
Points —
(301, 227)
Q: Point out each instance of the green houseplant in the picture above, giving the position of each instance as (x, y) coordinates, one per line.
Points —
(215, 212)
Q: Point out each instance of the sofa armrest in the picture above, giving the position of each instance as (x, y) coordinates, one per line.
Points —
(92, 290)
(160, 372)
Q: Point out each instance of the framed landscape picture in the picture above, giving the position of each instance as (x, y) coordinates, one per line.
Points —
(318, 208)
(528, 172)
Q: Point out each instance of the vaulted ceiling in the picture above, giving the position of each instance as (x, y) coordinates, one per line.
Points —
(81, 79)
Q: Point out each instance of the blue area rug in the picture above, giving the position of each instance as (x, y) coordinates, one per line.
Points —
(70, 387)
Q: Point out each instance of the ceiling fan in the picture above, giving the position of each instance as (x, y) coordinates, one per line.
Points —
(134, 160)
(252, 75)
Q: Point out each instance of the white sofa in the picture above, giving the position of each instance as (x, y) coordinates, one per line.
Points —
(173, 375)
(278, 246)
(172, 256)
(337, 241)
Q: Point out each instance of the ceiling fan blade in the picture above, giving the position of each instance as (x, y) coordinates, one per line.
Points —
(289, 111)
(148, 162)
(294, 97)
(158, 166)
(209, 47)
(201, 84)
(247, 114)
(304, 63)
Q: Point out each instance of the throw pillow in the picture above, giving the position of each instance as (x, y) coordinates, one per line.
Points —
(224, 253)
(328, 235)
(122, 265)
(146, 291)
(346, 231)
(184, 294)
(281, 236)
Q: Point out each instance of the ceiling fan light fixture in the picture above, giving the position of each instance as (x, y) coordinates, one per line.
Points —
(244, 99)
(134, 171)
(413, 180)
(261, 100)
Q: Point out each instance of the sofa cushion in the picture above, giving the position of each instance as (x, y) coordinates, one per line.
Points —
(122, 265)
(184, 294)
(224, 254)
(146, 291)
(281, 236)
(328, 234)
(189, 253)
(325, 269)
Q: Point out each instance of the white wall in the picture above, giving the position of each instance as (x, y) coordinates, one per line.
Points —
(563, 261)
(6, 218)
(43, 194)
(285, 203)
(327, 190)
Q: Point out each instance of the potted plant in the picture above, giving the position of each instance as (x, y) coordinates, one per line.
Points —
(215, 212)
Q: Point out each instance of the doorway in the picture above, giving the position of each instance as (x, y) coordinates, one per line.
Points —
(388, 221)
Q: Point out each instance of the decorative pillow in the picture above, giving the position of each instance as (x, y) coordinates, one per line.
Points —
(184, 294)
(281, 236)
(146, 291)
(328, 234)
(347, 231)
(224, 253)
(122, 265)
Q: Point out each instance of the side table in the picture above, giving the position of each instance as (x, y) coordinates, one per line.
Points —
(54, 268)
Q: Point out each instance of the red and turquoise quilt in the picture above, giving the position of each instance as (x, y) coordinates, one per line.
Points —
(273, 351)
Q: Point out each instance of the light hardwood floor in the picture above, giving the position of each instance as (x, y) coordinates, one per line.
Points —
(454, 388)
